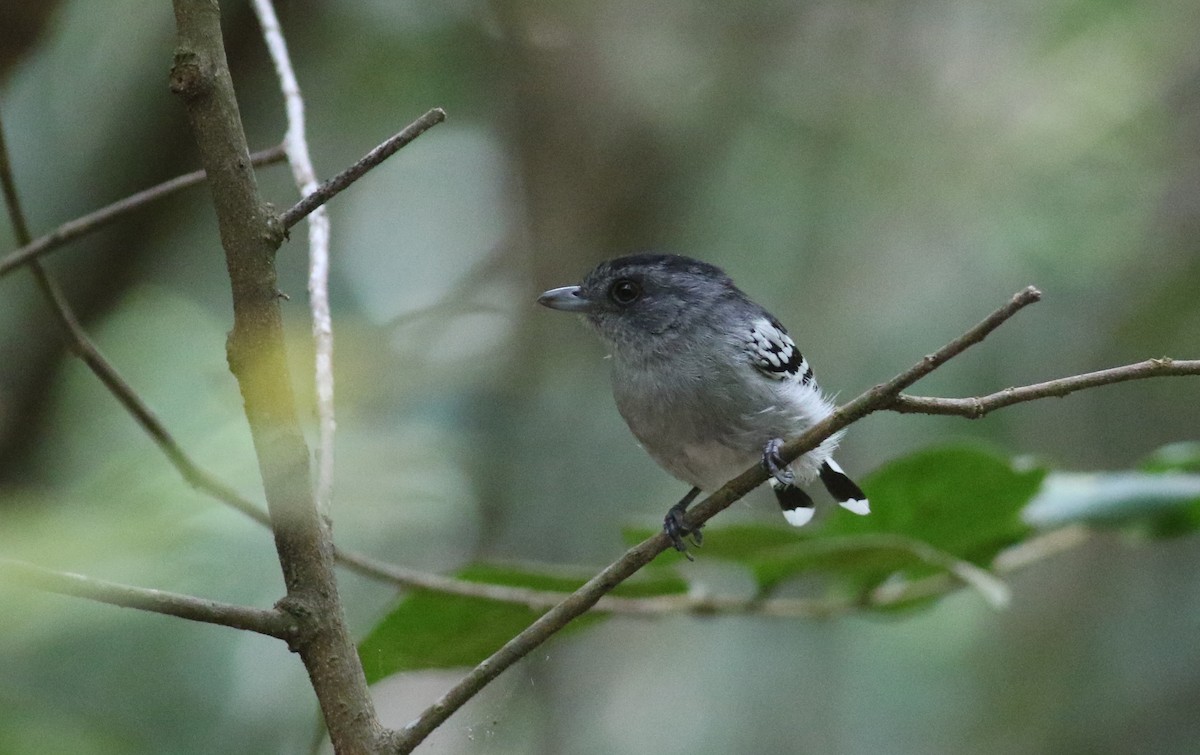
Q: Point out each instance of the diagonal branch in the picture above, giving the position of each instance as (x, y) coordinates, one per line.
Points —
(93, 221)
(271, 622)
(342, 181)
(635, 558)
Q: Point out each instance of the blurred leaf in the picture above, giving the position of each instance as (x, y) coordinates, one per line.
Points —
(1161, 505)
(436, 630)
(1176, 457)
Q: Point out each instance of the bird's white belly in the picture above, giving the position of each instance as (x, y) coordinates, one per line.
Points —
(707, 466)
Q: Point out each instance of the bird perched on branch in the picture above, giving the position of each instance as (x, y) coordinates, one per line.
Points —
(708, 380)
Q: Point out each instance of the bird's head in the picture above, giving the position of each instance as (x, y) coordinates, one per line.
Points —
(644, 300)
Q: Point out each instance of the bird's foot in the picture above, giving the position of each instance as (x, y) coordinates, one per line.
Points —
(677, 531)
(774, 463)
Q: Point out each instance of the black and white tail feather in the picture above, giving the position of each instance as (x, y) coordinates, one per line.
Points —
(775, 355)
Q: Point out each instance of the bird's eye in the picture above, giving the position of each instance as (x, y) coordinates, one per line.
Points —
(625, 291)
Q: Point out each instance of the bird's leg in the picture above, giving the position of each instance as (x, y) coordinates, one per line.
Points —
(774, 464)
(674, 527)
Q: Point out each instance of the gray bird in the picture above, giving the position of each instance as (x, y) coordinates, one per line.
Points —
(708, 380)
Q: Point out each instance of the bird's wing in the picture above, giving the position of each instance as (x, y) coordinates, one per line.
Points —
(774, 352)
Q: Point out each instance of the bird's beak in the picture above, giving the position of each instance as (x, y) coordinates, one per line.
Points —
(567, 298)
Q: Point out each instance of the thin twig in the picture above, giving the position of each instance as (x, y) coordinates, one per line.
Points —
(271, 622)
(93, 221)
(341, 181)
(635, 558)
(296, 143)
(976, 407)
(1017, 557)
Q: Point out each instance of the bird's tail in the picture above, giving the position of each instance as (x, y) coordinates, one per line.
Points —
(797, 507)
(844, 490)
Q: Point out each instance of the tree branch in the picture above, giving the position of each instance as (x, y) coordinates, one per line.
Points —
(93, 221)
(272, 622)
(250, 236)
(342, 181)
(296, 143)
(635, 558)
(976, 407)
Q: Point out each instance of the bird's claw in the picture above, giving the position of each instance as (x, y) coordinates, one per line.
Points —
(676, 530)
(774, 463)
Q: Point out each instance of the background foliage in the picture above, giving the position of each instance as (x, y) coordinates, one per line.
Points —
(879, 174)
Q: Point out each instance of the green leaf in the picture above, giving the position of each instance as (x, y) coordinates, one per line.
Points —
(963, 500)
(428, 629)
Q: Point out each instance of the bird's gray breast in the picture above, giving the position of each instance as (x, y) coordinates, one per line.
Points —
(691, 417)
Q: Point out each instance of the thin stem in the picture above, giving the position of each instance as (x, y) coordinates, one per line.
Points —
(341, 181)
(976, 407)
(270, 622)
(93, 221)
(1013, 559)
(296, 143)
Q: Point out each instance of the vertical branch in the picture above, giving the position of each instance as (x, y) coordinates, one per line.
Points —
(250, 236)
(296, 144)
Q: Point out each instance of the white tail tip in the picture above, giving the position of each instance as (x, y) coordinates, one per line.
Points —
(798, 517)
(860, 506)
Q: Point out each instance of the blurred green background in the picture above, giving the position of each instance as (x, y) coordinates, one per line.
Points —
(879, 174)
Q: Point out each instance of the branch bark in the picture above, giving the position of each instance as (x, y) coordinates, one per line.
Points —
(271, 622)
(979, 406)
(93, 221)
(342, 181)
(250, 235)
